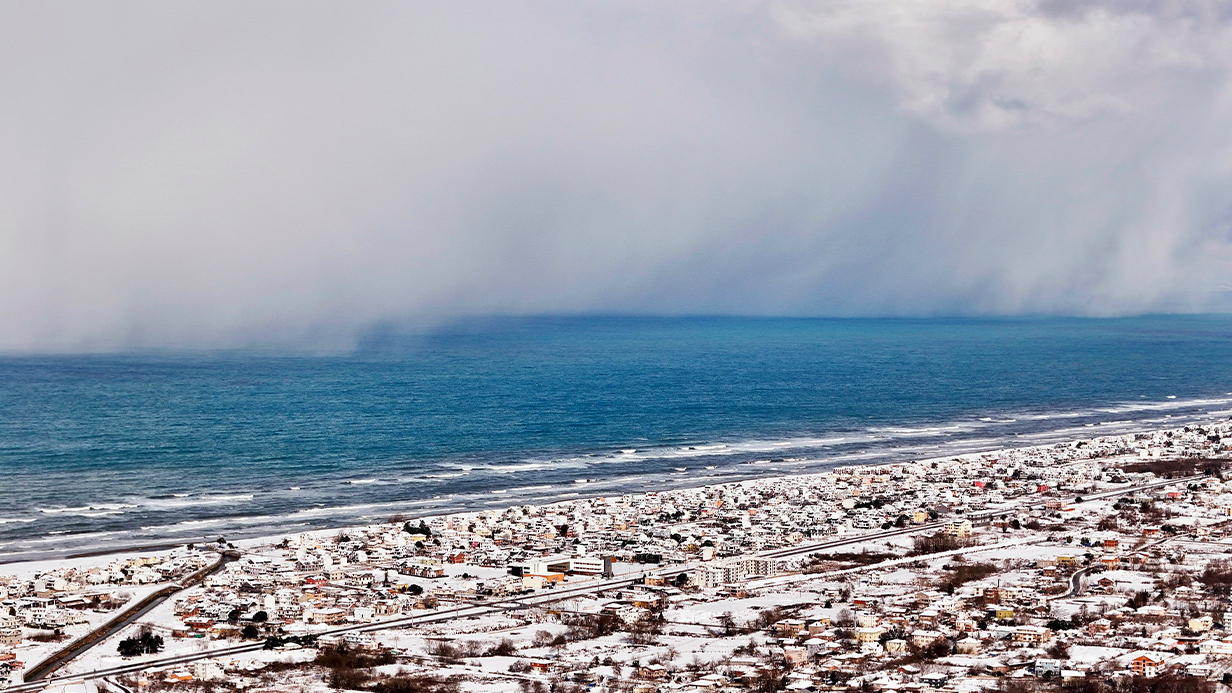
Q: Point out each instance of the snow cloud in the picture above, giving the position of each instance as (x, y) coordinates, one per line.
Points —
(291, 174)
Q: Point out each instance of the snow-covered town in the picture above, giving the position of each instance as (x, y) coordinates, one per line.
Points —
(1097, 564)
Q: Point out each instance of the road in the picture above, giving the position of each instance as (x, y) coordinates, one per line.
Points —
(552, 595)
(544, 597)
(1075, 584)
(120, 621)
(1076, 578)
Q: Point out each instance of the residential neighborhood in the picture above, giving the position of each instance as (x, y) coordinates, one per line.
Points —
(1100, 562)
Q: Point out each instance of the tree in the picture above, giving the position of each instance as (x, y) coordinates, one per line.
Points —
(146, 642)
(421, 529)
(260, 617)
(250, 632)
(129, 647)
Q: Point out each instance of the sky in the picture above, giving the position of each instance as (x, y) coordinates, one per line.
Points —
(238, 174)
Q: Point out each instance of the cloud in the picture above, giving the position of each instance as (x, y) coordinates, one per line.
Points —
(289, 174)
(996, 64)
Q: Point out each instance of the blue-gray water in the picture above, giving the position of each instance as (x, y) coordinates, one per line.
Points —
(101, 451)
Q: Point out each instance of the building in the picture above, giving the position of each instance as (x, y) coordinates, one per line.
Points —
(958, 528)
(1030, 636)
(869, 634)
(1146, 665)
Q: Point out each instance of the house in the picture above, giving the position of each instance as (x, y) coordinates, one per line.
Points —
(1200, 624)
(959, 528)
(789, 628)
(1030, 636)
(1152, 610)
(1146, 664)
(654, 672)
(869, 634)
(819, 626)
(795, 656)
(1215, 647)
(199, 622)
(329, 616)
(207, 671)
(1099, 626)
(968, 646)
(924, 638)
(361, 641)
(1047, 667)
(538, 582)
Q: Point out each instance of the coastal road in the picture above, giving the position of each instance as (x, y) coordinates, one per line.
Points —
(565, 593)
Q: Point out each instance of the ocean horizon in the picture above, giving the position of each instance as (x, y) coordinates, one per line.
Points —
(106, 451)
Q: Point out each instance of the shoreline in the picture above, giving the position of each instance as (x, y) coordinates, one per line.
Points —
(758, 458)
(270, 539)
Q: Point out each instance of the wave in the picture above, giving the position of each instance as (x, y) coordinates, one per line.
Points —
(90, 510)
(637, 467)
(189, 502)
(514, 468)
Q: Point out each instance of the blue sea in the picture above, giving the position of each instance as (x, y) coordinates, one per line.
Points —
(140, 449)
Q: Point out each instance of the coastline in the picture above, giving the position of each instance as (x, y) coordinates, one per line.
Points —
(736, 461)
(126, 552)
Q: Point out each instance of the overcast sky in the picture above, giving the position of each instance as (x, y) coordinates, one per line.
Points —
(264, 173)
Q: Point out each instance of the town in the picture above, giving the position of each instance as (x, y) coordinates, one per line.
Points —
(1101, 564)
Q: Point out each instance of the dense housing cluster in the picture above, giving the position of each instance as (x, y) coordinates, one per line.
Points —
(1099, 563)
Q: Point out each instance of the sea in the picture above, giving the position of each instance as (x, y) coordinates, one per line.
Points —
(143, 449)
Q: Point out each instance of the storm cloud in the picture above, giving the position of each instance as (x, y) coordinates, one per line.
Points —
(290, 174)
